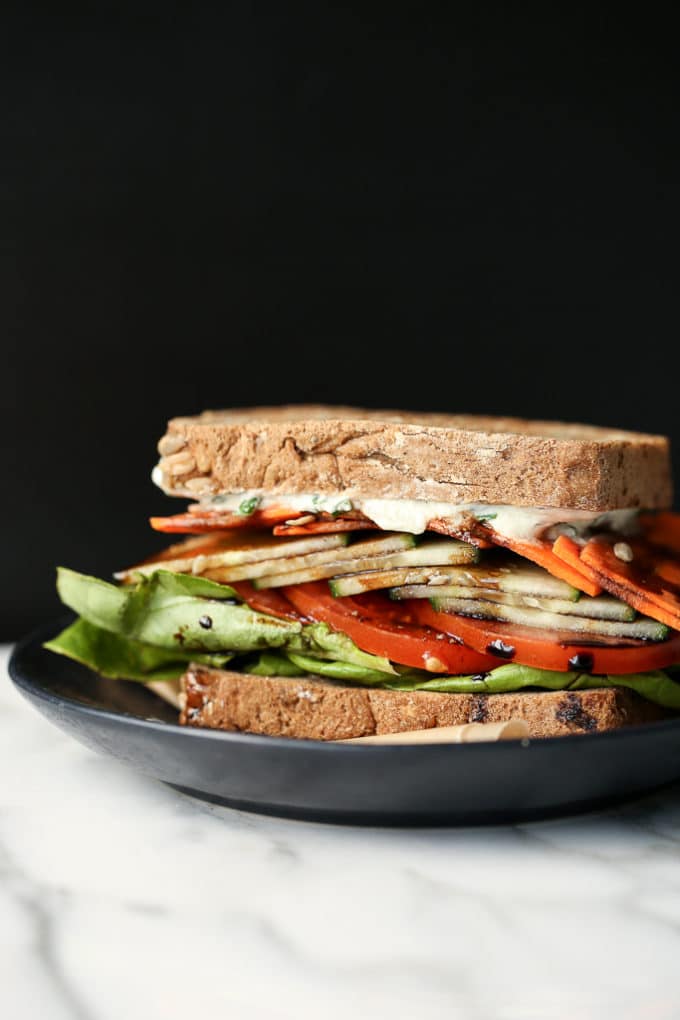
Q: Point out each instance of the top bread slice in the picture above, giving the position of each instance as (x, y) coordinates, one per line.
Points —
(405, 455)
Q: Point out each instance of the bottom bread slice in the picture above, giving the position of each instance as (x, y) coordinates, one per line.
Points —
(310, 708)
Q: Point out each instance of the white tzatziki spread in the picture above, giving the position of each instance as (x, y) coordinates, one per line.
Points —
(413, 515)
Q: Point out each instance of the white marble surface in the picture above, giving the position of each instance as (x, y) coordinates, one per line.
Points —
(122, 900)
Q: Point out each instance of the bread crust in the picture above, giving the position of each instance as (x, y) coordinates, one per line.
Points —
(314, 709)
(394, 455)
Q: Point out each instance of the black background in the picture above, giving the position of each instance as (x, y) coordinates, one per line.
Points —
(281, 203)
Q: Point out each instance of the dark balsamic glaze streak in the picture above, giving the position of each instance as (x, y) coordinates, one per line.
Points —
(582, 661)
(500, 649)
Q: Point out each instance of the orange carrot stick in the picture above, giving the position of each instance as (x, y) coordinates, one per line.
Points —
(568, 550)
(669, 570)
(198, 522)
(540, 552)
(662, 529)
(635, 581)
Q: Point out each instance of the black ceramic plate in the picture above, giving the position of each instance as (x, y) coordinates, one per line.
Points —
(388, 785)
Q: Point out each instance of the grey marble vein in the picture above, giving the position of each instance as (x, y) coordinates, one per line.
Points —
(41, 907)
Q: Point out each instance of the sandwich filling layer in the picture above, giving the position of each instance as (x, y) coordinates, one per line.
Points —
(414, 515)
(395, 609)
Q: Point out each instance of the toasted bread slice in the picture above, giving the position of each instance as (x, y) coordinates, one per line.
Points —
(394, 455)
(316, 709)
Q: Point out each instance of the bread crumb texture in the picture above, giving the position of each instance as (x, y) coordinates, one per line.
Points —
(385, 454)
(316, 709)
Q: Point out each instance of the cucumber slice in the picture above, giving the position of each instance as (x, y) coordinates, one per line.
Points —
(235, 548)
(371, 580)
(361, 549)
(441, 553)
(645, 628)
(600, 607)
(425, 552)
(519, 577)
(603, 607)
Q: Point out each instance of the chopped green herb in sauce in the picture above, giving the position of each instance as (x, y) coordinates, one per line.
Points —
(249, 506)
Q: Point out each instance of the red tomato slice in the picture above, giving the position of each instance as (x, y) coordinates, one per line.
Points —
(551, 649)
(379, 633)
(266, 601)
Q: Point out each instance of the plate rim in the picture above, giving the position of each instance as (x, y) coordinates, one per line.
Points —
(38, 635)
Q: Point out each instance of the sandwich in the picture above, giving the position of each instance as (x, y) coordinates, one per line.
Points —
(339, 573)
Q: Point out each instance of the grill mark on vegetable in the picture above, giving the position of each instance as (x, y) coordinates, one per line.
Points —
(572, 712)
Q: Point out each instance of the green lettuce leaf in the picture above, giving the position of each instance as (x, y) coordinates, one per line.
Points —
(174, 611)
(503, 679)
(347, 671)
(164, 609)
(322, 642)
(122, 659)
(187, 584)
(655, 686)
(272, 664)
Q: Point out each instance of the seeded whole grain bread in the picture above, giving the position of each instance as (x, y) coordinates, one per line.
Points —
(315, 709)
(394, 455)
